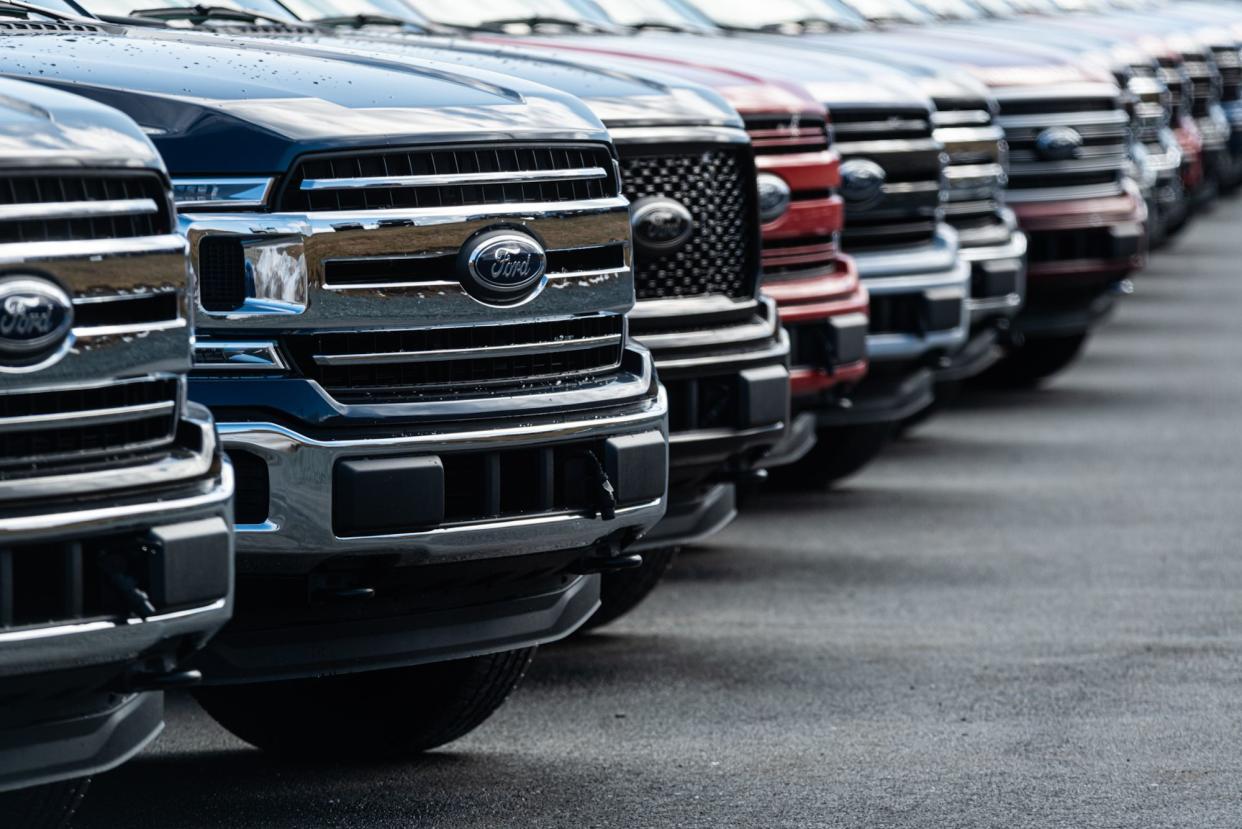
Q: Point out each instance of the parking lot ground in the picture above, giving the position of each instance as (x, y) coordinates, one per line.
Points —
(1027, 614)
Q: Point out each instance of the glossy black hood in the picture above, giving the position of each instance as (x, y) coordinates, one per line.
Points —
(620, 96)
(42, 127)
(217, 105)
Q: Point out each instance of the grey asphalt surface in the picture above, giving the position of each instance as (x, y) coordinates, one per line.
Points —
(1029, 614)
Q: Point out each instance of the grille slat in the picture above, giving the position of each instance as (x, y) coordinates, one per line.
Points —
(65, 207)
(776, 135)
(398, 366)
(56, 431)
(717, 187)
(449, 177)
(902, 142)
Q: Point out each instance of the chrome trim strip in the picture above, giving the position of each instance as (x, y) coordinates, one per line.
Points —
(102, 518)
(256, 196)
(261, 355)
(1018, 195)
(446, 354)
(76, 209)
(885, 125)
(22, 252)
(451, 179)
(129, 328)
(92, 627)
(1102, 119)
(85, 417)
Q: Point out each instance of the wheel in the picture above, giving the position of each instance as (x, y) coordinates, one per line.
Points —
(624, 590)
(372, 715)
(1032, 362)
(43, 807)
(838, 453)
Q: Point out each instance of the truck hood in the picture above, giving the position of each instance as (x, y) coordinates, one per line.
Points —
(41, 127)
(725, 62)
(200, 97)
(617, 95)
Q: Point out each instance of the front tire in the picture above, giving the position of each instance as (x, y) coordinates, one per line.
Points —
(1034, 361)
(50, 806)
(624, 590)
(839, 452)
(372, 715)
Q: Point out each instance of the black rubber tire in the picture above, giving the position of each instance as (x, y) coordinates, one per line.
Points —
(50, 806)
(839, 452)
(1034, 361)
(625, 590)
(368, 716)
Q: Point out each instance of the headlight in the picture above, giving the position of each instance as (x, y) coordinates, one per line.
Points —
(221, 192)
(774, 197)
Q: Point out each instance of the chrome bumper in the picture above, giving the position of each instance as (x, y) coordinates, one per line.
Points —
(299, 533)
(935, 271)
(998, 279)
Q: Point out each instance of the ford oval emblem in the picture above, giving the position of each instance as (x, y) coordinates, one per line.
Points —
(661, 225)
(862, 182)
(36, 316)
(502, 264)
(1058, 143)
(775, 196)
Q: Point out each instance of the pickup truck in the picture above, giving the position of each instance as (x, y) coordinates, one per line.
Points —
(116, 551)
(412, 284)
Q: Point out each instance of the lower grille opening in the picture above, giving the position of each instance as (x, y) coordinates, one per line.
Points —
(704, 403)
(252, 500)
(1067, 245)
(897, 314)
(873, 234)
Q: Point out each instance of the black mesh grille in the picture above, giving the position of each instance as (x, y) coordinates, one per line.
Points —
(717, 186)
(468, 374)
(19, 188)
(221, 273)
(451, 161)
(51, 445)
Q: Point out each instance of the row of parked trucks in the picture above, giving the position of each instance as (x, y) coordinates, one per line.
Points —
(494, 305)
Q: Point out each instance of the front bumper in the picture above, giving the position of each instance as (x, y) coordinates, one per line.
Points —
(727, 375)
(1080, 251)
(997, 278)
(933, 277)
(70, 710)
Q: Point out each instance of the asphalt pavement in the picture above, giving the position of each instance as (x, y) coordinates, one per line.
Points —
(1027, 614)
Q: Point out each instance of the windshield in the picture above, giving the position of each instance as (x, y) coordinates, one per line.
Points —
(890, 11)
(318, 9)
(747, 14)
(128, 8)
(478, 12)
(952, 9)
(669, 13)
(58, 6)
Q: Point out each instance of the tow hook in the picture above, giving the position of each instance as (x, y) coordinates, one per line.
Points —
(165, 681)
(136, 599)
(607, 557)
(605, 494)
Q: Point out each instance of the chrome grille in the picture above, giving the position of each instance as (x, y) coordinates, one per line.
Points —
(401, 366)
(449, 177)
(717, 186)
(49, 431)
(64, 207)
(976, 174)
(1095, 168)
(777, 135)
(901, 141)
(1229, 64)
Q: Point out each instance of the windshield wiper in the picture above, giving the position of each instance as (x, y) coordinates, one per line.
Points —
(201, 14)
(357, 21)
(17, 9)
(802, 25)
(535, 21)
(664, 26)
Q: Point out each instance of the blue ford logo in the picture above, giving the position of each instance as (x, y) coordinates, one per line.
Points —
(502, 264)
(862, 182)
(1058, 143)
(36, 316)
(661, 225)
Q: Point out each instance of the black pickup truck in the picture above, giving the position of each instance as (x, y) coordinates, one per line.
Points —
(116, 556)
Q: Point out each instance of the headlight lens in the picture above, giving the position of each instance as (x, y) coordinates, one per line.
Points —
(221, 192)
